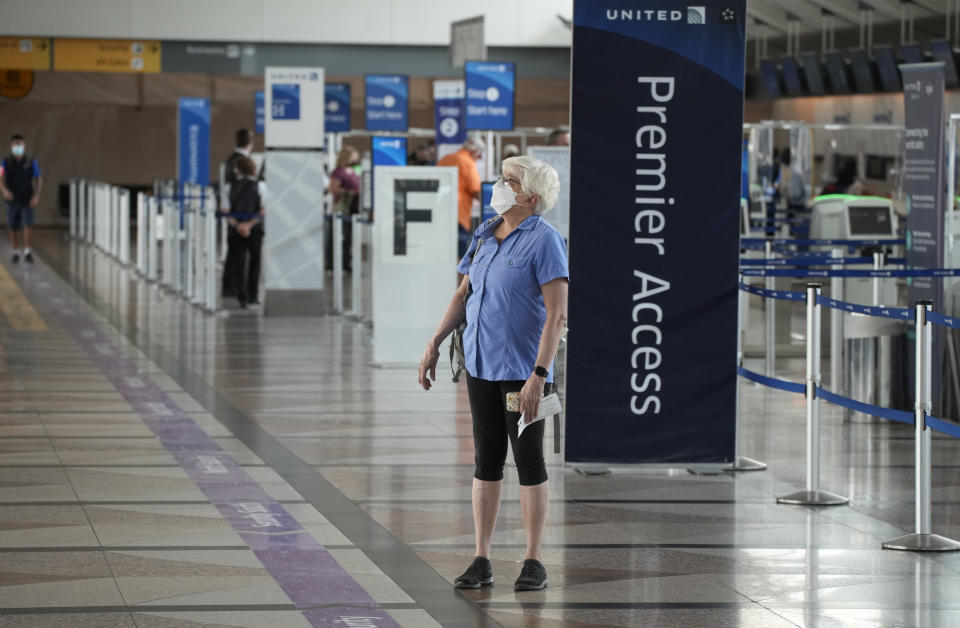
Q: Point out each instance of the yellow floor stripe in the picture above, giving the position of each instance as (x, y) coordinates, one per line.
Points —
(16, 307)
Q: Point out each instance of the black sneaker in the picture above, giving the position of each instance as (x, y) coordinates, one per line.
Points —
(533, 576)
(29, 258)
(16, 258)
(478, 574)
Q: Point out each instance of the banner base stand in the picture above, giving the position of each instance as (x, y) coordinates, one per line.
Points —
(813, 498)
(706, 470)
(922, 543)
(593, 470)
(745, 464)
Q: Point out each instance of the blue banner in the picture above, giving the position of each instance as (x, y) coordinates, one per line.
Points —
(490, 94)
(389, 151)
(338, 107)
(486, 195)
(924, 183)
(193, 141)
(385, 102)
(449, 112)
(285, 101)
(259, 111)
(653, 290)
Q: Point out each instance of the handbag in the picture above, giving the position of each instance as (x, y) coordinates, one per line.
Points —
(458, 360)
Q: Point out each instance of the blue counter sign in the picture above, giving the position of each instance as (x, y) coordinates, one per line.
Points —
(486, 196)
(285, 103)
(386, 101)
(389, 151)
(337, 118)
(258, 108)
(490, 95)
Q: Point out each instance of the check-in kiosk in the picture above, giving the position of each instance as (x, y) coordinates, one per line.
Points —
(847, 217)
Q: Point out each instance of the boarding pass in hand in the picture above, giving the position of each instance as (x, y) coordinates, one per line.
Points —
(549, 406)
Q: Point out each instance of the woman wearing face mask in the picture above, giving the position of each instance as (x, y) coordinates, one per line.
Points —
(515, 288)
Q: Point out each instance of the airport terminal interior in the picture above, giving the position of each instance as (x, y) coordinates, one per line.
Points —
(720, 238)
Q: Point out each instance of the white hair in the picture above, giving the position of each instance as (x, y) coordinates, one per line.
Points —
(537, 178)
(475, 143)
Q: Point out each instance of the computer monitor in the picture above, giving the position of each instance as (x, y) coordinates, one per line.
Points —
(791, 76)
(870, 220)
(813, 72)
(862, 71)
(887, 68)
(943, 51)
(877, 167)
(837, 72)
(912, 53)
(771, 80)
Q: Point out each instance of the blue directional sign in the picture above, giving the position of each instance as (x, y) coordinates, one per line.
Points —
(389, 151)
(193, 140)
(285, 103)
(486, 195)
(259, 111)
(337, 118)
(490, 95)
(386, 101)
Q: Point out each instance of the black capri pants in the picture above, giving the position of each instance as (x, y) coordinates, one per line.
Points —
(493, 426)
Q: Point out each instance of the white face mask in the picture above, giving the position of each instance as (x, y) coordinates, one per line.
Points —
(17, 150)
(503, 198)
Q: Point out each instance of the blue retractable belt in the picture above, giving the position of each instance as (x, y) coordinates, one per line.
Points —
(772, 382)
(897, 313)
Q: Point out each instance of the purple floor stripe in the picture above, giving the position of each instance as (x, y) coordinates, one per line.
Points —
(307, 573)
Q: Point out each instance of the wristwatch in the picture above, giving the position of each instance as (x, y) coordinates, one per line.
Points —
(539, 370)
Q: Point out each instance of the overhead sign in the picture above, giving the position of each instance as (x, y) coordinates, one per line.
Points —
(654, 259)
(386, 101)
(193, 141)
(259, 111)
(467, 41)
(490, 95)
(389, 151)
(24, 53)
(449, 115)
(210, 57)
(106, 55)
(338, 107)
(294, 99)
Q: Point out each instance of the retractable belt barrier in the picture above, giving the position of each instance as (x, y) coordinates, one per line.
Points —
(821, 242)
(923, 317)
(176, 241)
(795, 272)
(815, 260)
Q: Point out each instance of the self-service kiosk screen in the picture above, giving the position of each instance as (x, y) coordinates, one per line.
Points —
(813, 73)
(887, 67)
(870, 220)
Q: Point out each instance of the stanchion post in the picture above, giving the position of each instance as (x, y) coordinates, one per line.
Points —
(81, 208)
(74, 184)
(151, 238)
(836, 328)
(812, 495)
(356, 254)
(337, 264)
(141, 234)
(771, 315)
(741, 463)
(922, 540)
(125, 227)
(211, 248)
(878, 263)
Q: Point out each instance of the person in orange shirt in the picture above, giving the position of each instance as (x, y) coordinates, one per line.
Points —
(468, 178)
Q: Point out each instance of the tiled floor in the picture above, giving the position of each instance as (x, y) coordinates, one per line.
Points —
(346, 491)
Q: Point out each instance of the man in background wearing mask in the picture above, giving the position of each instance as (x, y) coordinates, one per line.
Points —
(20, 185)
(468, 186)
(244, 146)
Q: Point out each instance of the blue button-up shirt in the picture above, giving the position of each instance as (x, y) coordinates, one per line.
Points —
(505, 313)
